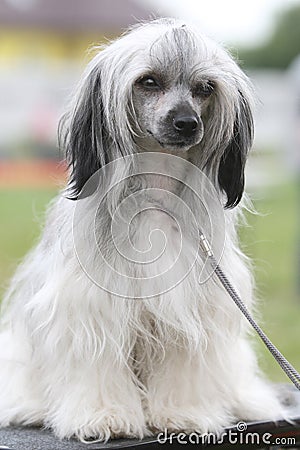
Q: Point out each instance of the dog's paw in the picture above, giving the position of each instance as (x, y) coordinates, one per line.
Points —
(103, 425)
(185, 420)
(259, 404)
(250, 411)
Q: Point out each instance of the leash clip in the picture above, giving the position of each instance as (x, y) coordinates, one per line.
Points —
(205, 246)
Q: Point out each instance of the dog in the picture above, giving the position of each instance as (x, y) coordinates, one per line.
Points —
(114, 325)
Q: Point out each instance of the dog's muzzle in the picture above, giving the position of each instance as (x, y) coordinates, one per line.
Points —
(186, 125)
(180, 128)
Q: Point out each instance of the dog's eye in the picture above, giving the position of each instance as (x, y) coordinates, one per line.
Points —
(149, 82)
(204, 89)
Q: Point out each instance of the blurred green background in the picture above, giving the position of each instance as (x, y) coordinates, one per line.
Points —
(42, 52)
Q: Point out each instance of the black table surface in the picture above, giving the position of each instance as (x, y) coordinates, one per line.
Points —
(259, 435)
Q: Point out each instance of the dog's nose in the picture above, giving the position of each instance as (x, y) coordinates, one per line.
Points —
(185, 124)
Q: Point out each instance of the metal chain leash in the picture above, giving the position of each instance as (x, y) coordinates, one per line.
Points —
(290, 371)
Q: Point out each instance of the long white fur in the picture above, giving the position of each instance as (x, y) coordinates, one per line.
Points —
(88, 364)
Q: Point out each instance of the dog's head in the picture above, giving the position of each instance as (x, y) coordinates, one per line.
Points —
(162, 87)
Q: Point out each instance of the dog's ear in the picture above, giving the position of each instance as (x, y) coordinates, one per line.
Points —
(232, 165)
(84, 134)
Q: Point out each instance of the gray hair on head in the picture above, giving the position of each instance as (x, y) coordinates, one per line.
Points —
(111, 117)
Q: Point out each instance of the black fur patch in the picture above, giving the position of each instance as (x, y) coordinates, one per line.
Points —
(232, 165)
(85, 139)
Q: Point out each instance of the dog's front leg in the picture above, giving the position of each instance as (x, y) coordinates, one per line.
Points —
(181, 396)
(93, 401)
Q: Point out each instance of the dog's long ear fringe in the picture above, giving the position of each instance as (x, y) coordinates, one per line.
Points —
(232, 165)
(83, 135)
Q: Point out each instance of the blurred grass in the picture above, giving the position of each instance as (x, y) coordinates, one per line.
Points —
(270, 240)
(22, 213)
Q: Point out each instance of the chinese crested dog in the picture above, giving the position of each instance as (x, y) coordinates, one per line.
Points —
(113, 325)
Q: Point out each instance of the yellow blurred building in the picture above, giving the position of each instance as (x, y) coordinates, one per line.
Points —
(43, 49)
(61, 29)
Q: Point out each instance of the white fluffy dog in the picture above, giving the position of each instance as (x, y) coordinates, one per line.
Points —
(106, 330)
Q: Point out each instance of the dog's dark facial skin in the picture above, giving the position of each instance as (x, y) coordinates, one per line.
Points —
(170, 113)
